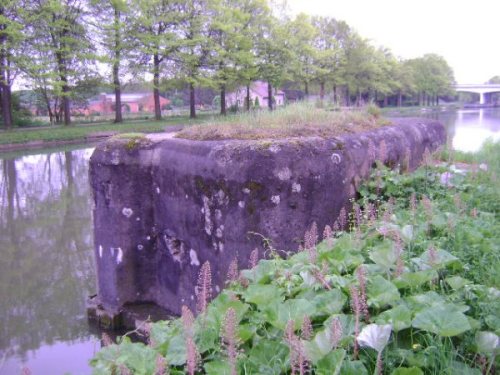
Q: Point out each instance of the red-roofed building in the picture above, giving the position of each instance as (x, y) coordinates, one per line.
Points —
(258, 95)
(131, 103)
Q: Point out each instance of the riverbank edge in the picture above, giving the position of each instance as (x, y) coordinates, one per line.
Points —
(87, 139)
(36, 145)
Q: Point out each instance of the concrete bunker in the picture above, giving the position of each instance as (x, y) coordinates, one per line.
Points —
(166, 206)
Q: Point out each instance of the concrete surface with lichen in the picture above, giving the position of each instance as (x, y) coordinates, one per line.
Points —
(164, 206)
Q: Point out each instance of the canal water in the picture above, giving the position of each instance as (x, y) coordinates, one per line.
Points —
(47, 267)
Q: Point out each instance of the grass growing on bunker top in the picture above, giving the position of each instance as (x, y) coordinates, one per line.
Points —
(411, 288)
(294, 120)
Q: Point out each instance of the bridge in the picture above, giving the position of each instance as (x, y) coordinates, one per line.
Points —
(484, 90)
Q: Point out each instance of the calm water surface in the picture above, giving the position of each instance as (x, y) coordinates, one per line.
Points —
(46, 258)
(46, 263)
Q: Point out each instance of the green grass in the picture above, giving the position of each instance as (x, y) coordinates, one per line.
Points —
(81, 132)
(294, 120)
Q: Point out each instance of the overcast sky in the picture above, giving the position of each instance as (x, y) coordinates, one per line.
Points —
(465, 32)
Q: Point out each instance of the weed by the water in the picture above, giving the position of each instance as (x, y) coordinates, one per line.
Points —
(412, 289)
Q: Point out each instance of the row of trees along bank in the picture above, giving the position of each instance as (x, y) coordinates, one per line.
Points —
(57, 47)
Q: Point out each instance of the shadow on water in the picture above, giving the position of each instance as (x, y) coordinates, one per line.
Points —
(46, 265)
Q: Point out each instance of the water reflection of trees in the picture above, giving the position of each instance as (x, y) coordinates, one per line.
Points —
(46, 261)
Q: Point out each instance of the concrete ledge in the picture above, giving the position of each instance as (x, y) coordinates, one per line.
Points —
(164, 206)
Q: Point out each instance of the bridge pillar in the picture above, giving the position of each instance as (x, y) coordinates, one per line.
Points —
(481, 98)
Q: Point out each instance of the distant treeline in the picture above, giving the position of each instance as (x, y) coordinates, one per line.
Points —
(62, 50)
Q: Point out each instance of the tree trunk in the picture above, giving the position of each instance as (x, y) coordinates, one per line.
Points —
(400, 98)
(65, 101)
(248, 98)
(4, 84)
(156, 85)
(322, 90)
(49, 108)
(334, 94)
(6, 103)
(270, 96)
(66, 106)
(306, 89)
(116, 70)
(192, 107)
(386, 101)
(347, 96)
(223, 100)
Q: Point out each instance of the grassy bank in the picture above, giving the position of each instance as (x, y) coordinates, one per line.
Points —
(407, 284)
(83, 131)
(298, 119)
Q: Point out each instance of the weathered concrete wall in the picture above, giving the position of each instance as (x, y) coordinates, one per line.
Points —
(165, 206)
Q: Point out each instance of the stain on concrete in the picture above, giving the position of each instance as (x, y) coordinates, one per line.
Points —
(235, 189)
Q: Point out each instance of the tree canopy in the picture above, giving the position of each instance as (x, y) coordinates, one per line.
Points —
(58, 47)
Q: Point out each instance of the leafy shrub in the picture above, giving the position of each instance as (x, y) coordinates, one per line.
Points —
(412, 288)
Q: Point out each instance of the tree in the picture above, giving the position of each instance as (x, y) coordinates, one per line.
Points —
(302, 35)
(232, 57)
(433, 77)
(11, 37)
(156, 30)
(60, 48)
(194, 50)
(110, 18)
(405, 77)
(330, 37)
(273, 54)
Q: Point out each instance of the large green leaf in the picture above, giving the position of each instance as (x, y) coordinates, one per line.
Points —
(439, 259)
(162, 332)
(217, 368)
(320, 346)
(441, 320)
(294, 309)
(263, 272)
(217, 310)
(267, 357)
(457, 282)
(415, 279)
(381, 292)
(329, 302)
(399, 317)
(493, 321)
(384, 254)
(262, 294)
(176, 352)
(407, 371)
(344, 255)
(137, 357)
(421, 301)
(353, 368)
(331, 364)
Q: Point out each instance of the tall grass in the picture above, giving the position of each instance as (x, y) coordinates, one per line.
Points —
(295, 120)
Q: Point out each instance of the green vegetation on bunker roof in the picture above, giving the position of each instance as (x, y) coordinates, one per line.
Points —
(294, 120)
